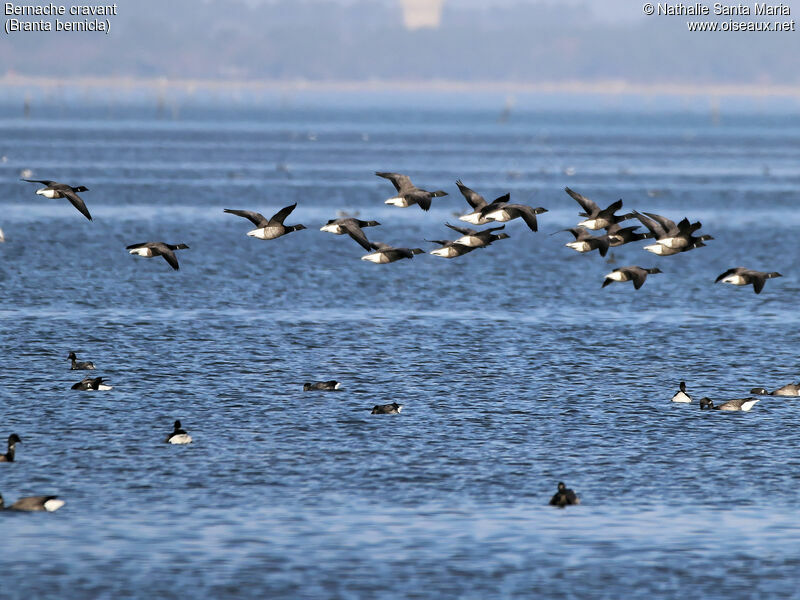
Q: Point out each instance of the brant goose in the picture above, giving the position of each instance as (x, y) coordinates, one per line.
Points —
(740, 404)
(79, 366)
(564, 496)
(671, 235)
(478, 216)
(662, 250)
(322, 386)
(13, 440)
(450, 248)
(585, 241)
(671, 238)
(34, 503)
(268, 229)
(91, 384)
(473, 198)
(387, 409)
(790, 389)
(151, 249)
(54, 189)
(634, 273)
(351, 227)
(507, 212)
(742, 276)
(384, 253)
(617, 236)
(681, 395)
(178, 435)
(597, 218)
(477, 239)
(408, 193)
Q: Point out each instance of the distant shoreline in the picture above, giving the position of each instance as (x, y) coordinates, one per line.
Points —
(609, 88)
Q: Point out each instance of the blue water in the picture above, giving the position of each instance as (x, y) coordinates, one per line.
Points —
(515, 368)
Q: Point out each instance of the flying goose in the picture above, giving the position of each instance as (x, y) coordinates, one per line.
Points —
(662, 250)
(151, 249)
(586, 242)
(670, 238)
(681, 395)
(384, 253)
(34, 503)
(178, 435)
(507, 212)
(478, 216)
(408, 193)
(740, 404)
(742, 276)
(674, 236)
(351, 227)
(475, 238)
(79, 366)
(475, 200)
(597, 218)
(617, 236)
(790, 389)
(90, 384)
(53, 189)
(564, 496)
(632, 273)
(450, 248)
(268, 229)
(13, 440)
(387, 409)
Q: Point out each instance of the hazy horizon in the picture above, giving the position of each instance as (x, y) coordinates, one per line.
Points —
(525, 43)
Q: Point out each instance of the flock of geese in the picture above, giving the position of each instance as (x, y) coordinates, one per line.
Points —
(669, 238)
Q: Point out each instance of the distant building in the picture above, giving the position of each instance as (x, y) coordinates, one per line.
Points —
(422, 13)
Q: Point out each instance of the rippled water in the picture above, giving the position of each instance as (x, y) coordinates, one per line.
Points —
(515, 368)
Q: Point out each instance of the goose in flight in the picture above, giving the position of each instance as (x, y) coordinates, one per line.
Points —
(268, 229)
(53, 189)
(408, 193)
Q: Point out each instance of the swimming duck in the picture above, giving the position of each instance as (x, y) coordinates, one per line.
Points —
(586, 242)
(91, 384)
(384, 253)
(634, 273)
(742, 276)
(740, 404)
(508, 212)
(351, 227)
(387, 409)
(681, 395)
(268, 229)
(408, 193)
(79, 366)
(322, 386)
(34, 503)
(597, 218)
(178, 435)
(790, 389)
(151, 249)
(478, 216)
(564, 496)
(54, 189)
(13, 440)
